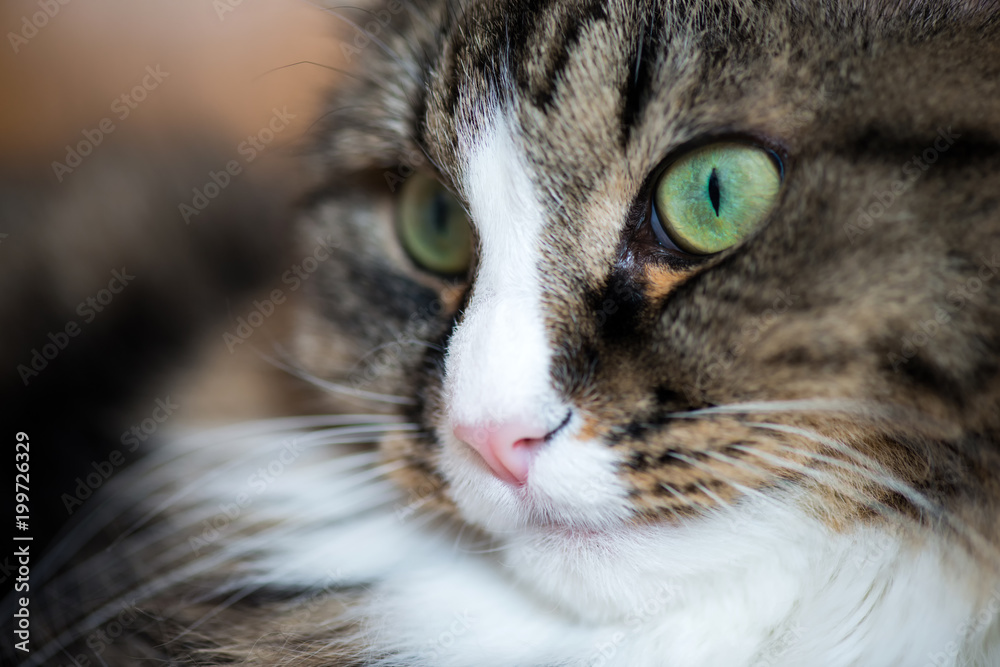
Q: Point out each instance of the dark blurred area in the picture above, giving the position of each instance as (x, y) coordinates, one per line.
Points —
(148, 176)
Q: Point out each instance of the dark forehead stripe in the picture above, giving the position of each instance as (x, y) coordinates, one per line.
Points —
(636, 89)
(542, 44)
(538, 38)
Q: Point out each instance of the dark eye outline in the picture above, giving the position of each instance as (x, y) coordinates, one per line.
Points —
(653, 217)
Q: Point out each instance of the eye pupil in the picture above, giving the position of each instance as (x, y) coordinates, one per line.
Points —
(688, 197)
(713, 191)
(439, 214)
(433, 227)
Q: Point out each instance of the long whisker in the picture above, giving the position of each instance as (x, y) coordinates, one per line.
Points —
(695, 463)
(824, 479)
(757, 495)
(333, 112)
(857, 464)
(802, 405)
(194, 569)
(935, 510)
(338, 388)
(685, 501)
(92, 520)
(199, 511)
(867, 466)
(889, 413)
(404, 64)
(340, 464)
(338, 70)
(302, 440)
(410, 341)
(260, 582)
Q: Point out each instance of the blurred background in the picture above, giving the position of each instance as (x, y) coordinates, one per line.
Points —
(62, 73)
(114, 297)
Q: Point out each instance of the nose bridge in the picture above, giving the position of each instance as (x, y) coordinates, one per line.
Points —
(497, 363)
(497, 367)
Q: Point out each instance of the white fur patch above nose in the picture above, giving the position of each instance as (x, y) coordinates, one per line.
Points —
(499, 363)
(499, 358)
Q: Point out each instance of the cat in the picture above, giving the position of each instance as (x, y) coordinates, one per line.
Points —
(658, 333)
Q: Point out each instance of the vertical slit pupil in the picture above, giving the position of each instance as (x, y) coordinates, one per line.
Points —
(439, 214)
(713, 191)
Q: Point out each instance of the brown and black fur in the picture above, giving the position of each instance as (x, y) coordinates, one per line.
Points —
(848, 96)
(819, 305)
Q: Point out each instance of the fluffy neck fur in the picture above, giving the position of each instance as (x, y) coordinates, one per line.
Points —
(759, 584)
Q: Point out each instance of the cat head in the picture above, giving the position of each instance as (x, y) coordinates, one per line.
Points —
(627, 264)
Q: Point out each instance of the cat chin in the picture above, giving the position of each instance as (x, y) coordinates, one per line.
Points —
(761, 580)
(633, 571)
(722, 589)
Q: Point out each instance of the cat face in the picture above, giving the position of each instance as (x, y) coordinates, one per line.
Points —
(597, 356)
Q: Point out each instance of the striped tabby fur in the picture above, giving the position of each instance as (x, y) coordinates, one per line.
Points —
(787, 453)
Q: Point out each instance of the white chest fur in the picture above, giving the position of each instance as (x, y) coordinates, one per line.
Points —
(757, 586)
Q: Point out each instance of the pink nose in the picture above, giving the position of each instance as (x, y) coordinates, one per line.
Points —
(507, 448)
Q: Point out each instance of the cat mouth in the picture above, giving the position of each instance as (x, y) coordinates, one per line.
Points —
(570, 486)
(508, 449)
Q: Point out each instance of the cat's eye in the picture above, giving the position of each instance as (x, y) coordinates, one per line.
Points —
(715, 196)
(433, 227)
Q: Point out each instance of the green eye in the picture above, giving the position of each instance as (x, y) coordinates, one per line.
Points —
(433, 226)
(715, 196)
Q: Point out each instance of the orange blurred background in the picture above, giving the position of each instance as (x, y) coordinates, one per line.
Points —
(63, 77)
(224, 67)
(160, 92)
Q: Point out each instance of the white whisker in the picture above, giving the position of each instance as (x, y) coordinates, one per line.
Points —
(90, 521)
(804, 405)
(202, 510)
(209, 562)
(338, 388)
(867, 466)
